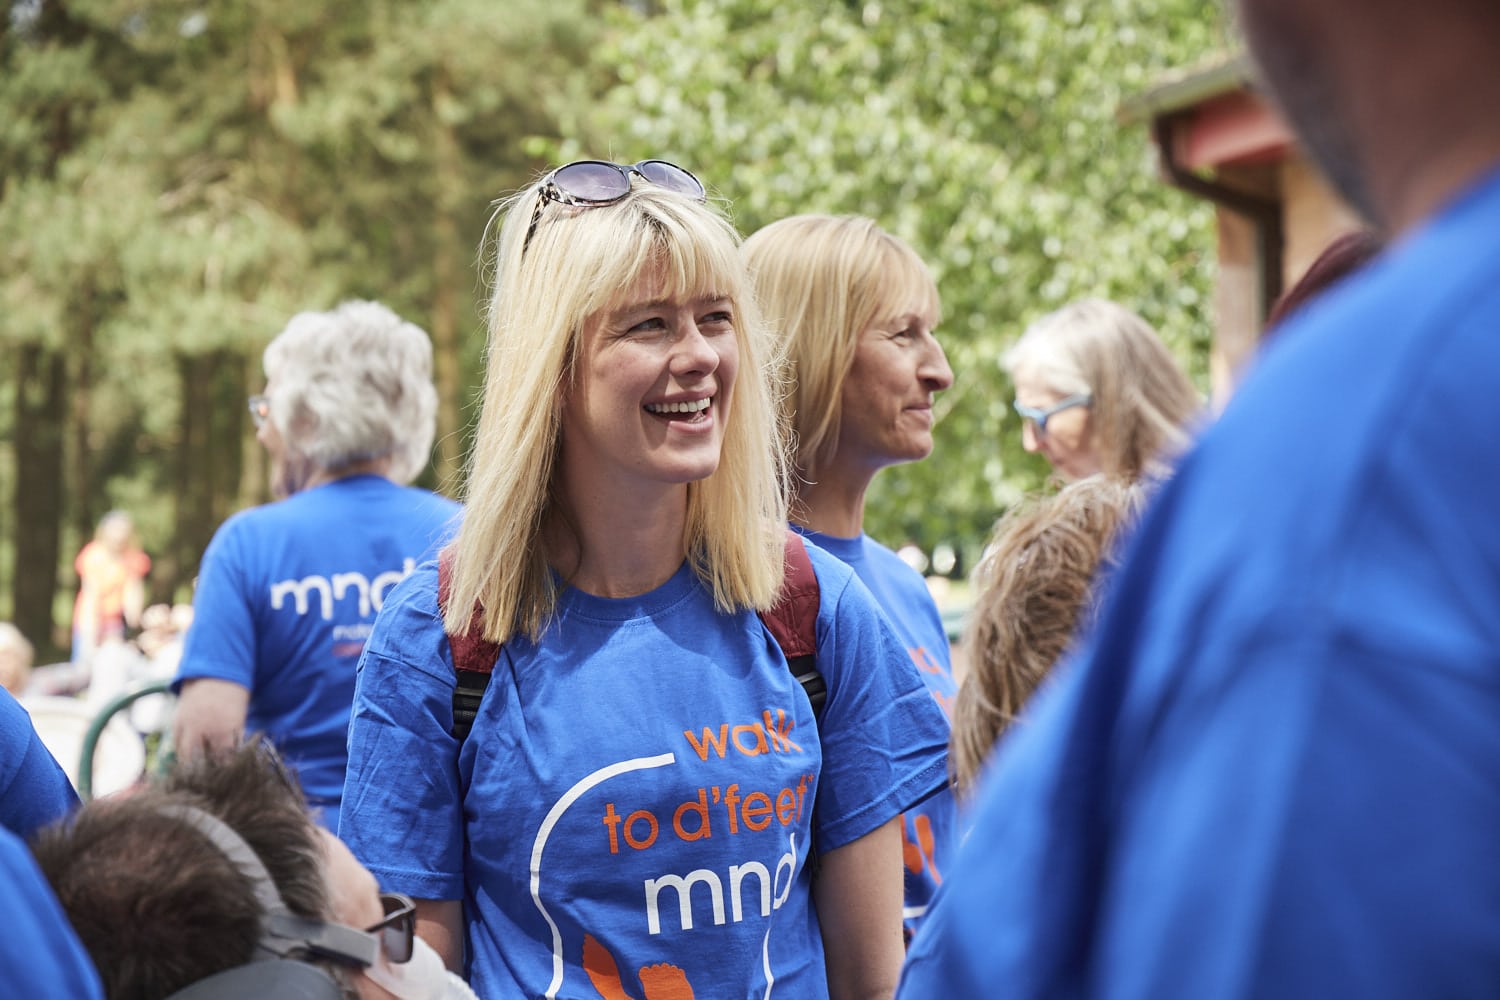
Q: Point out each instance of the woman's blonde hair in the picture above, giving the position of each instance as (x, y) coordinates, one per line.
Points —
(579, 263)
(822, 281)
(1144, 407)
(1036, 587)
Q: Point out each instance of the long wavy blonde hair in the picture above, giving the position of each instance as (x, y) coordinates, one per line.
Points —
(579, 263)
(1036, 588)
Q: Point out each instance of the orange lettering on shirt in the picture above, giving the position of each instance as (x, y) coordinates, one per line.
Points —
(718, 745)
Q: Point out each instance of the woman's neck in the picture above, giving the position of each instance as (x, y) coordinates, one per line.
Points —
(835, 504)
(610, 547)
(371, 467)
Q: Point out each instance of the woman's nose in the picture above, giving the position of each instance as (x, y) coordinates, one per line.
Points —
(1030, 439)
(934, 370)
(693, 353)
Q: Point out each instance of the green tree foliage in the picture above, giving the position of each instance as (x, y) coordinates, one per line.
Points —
(984, 133)
(177, 178)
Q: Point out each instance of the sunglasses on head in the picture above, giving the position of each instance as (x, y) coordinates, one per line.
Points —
(593, 183)
(397, 928)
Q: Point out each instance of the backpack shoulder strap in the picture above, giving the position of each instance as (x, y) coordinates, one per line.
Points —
(474, 657)
(793, 620)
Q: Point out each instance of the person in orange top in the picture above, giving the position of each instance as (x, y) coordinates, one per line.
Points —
(111, 590)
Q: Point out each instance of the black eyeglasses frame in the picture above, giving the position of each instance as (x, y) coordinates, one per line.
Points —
(397, 928)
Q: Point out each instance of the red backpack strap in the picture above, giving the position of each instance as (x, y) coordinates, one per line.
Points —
(793, 620)
(474, 656)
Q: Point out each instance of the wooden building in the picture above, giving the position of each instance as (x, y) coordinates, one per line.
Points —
(1219, 138)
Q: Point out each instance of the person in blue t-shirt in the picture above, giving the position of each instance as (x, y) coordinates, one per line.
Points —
(34, 789)
(1274, 772)
(40, 955)
(287, 592)
(635, 808)
(857, 307)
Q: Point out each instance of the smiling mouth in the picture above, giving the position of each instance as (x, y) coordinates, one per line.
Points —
(680, 411)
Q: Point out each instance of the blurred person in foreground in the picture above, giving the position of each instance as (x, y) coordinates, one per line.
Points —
(1098, 391)
(1037, 591)
(34, 788)
(287, 592)
(634, 802)
(1273, 770)
(40, 955)
(856, 308)
(220, 867)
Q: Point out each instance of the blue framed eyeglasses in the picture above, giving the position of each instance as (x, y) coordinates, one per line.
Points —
(1039, 417)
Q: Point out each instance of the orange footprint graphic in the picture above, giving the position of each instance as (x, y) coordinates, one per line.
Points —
(919, 855)
(662, 981)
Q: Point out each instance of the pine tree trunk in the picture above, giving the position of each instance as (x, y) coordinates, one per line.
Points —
(40, 416)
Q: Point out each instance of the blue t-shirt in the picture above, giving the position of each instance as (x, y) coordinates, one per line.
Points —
(286, 596)
(927, 831)
(34, 789)
(1275, 770)
(41, 957)
(635, 802)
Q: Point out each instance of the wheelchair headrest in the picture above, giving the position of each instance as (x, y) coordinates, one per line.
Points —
(272, 979)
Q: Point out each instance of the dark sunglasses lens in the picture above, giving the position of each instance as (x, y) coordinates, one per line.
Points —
(670, 176)
(398, 928)
(592, 181)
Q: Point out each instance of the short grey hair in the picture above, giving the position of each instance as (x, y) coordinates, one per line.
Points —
(354, 384)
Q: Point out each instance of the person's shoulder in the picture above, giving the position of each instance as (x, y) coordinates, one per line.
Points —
(16, 728)
(410, 608)
(832, 572)
(90, 556)
(432, 501)
(243, 531)
(892, 567)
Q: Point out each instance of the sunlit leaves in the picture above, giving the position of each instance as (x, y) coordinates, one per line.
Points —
(985, 134)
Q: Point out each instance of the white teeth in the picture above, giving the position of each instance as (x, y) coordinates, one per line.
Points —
(696, 406)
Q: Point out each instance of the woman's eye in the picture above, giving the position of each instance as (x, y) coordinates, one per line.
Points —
(722, 317)
(651, 325)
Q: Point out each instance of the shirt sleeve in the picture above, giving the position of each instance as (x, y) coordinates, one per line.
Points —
(402, 810)
(34, 789)
(222, 640)
(884, 737)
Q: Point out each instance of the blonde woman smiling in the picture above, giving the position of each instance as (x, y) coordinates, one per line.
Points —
(632, 811)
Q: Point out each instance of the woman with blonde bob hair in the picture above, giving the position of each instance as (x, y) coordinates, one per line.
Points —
(856, 308)
(1037, 590)
(1098, 391)
(642, 750)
